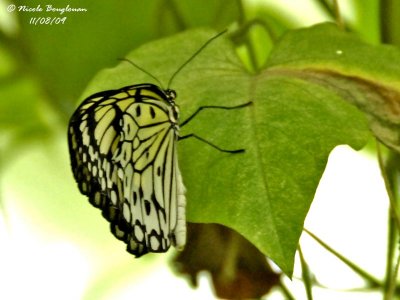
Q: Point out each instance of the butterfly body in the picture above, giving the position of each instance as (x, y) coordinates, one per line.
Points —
(124, 158)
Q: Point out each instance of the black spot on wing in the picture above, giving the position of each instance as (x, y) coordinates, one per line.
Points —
(140, 192)
(158, 171)
(147, 206)
(152, 112)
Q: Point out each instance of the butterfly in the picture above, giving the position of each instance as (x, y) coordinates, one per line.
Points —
(123, 152)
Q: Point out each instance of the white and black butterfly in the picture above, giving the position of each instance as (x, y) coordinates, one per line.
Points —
(123, 150)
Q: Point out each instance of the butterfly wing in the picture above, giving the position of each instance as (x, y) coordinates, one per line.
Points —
(124, 158)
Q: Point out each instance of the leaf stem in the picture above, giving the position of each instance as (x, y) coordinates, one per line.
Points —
(386, 174)
(391, 250)
(285, 291)
(246, 38)
(389, 19)
(392, 283)
(372, 281)
(334, 12)
(390, 174)
(246, 26)
(229, 264)
(338, 16)
(305, 274)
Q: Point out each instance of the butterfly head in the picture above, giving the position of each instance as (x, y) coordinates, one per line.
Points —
(171, 95)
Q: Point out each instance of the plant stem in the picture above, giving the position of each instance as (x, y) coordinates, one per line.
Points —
(389, 21)
(338, 16)
(229, 264)
(372, 281)
(390, 174)
(333, 11)
(392, 286)
(306, 275)
(285, 291)
(391, 250)
(246, 38)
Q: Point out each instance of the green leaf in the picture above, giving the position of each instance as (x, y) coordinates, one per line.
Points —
(288, 132)
(359, 73)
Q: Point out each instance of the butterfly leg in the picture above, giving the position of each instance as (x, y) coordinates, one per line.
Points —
(192, 135)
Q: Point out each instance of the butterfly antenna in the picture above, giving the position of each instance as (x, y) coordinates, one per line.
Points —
(194, 55)
(141, 69)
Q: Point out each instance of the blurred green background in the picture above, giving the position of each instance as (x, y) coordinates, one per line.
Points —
(53, 244)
